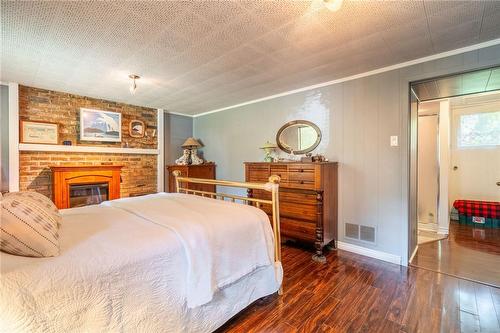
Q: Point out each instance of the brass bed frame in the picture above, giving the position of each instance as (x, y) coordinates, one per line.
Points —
(271, 186)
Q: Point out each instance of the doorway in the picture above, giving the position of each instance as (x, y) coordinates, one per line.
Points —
(456, 126)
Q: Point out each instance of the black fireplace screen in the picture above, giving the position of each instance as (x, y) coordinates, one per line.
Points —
(88, 194)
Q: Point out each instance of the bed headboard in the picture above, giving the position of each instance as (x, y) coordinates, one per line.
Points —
(271, 186)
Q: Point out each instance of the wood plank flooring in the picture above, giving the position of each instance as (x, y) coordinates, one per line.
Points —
(352, 293)
(468, 252)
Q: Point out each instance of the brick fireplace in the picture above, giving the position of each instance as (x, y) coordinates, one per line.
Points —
(139, 172)
(75, 186)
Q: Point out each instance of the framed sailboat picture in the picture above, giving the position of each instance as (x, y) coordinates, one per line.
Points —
(97, 125)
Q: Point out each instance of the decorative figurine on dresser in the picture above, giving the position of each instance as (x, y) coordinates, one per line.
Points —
(191, 165)
(308, 190)
(190, 153)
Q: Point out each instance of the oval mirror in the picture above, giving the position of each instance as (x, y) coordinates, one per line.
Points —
(298, 137)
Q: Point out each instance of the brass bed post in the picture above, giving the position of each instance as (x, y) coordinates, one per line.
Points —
(176, 174)
(274, 180)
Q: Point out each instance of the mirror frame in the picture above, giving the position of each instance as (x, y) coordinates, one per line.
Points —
(299, 122)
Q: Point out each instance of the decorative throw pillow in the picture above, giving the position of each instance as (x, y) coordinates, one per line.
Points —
(29, 225)
(46, 202)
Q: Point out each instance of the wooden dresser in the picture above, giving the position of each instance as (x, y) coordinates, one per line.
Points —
(206, 171)
(308, 199)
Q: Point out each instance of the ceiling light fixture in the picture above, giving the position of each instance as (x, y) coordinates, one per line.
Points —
(333, 5)
(133, 84)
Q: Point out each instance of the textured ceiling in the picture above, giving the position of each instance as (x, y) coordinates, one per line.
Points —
(198, 56)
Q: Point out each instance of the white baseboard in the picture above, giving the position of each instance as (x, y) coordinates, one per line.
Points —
(369, 252)
(443, 230)
(428, 226)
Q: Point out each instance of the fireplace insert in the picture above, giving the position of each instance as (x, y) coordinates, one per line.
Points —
(88, 194)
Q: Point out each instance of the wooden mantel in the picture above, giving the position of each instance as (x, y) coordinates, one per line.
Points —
(65, 176)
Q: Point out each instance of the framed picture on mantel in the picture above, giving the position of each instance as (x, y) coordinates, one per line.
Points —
(39, 132)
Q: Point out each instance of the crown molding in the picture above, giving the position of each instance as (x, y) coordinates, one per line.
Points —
(179, 114)
(469, 48)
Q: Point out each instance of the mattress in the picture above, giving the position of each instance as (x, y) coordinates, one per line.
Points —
(117, 272)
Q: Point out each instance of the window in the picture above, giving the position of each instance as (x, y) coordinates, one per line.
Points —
(479, 129)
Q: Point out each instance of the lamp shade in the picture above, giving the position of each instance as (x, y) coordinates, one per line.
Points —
(269, 145)
(191, 143)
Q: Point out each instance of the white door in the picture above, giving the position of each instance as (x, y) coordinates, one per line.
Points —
(475, 159)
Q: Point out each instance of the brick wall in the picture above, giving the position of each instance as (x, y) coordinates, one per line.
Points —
(139, 172)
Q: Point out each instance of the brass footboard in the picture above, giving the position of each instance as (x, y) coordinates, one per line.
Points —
(271, 186)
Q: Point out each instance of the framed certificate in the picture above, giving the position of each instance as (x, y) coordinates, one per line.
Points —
(39, 132)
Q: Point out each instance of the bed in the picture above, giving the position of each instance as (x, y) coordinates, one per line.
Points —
(173, 262)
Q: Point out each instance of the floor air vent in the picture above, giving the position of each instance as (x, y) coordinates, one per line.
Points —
(352, 230)
(367, 233)
(361, 232)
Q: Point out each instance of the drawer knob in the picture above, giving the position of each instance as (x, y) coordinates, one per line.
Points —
(302, 182)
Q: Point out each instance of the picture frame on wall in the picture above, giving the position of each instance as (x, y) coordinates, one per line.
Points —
(98, 125)
(39, 132)
(137, 128)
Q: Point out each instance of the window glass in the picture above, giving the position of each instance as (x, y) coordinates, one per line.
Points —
(479, 129)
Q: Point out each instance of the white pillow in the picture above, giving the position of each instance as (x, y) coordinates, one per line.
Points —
(29, 225)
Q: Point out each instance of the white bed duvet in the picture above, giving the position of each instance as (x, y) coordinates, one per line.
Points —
(160, 263)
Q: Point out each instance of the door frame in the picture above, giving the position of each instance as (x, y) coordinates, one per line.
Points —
(412, 155)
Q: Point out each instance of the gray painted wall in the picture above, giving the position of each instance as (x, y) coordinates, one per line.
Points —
(177, 130)
(4, 137)
(357, 119)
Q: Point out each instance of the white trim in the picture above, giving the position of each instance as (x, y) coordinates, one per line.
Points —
(357, 76)
(413, 254)
(178, 114)
(428, 226)
(160, 172)
(86, 149)
(13, 137)
(392, 258)
(443, 230)
(444, 166)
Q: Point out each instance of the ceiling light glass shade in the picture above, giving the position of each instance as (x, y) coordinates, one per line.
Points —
(133, 84)
(132, 88)
(333, 5)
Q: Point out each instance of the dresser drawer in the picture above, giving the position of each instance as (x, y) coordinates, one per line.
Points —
(299, 211)
(301, 184)
(301, 168)
(301, 176)
(258, 176)
(301, 197)
(297, 229)
(280, 170)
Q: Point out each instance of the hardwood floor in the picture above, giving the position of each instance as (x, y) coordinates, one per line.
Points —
(470, 253)
(352, 293)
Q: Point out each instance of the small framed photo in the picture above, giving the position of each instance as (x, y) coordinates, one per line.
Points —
(97, 125)
(137, 128)
(39, 132)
